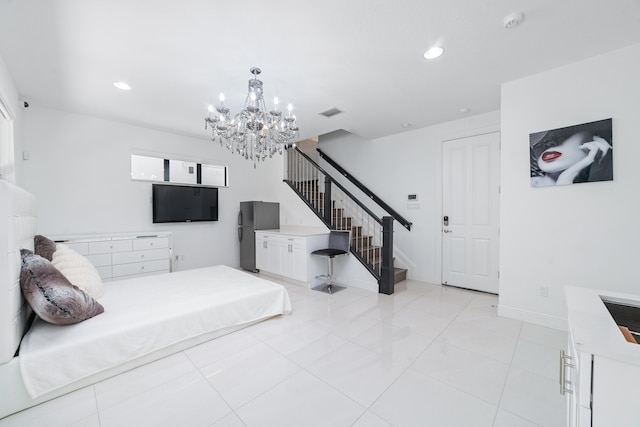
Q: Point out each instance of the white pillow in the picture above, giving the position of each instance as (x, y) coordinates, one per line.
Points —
(78, 270)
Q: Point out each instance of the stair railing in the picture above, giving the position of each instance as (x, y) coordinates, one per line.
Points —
(371, 236)
(370, 194)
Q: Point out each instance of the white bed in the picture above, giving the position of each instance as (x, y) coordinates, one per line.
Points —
(145, 318)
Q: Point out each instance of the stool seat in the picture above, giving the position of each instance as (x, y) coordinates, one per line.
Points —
(329, 252)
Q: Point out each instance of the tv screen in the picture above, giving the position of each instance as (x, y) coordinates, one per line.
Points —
(180, 203)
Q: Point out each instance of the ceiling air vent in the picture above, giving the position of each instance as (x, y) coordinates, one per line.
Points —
(331, 112)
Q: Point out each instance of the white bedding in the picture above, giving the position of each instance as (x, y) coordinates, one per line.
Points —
(143, 315)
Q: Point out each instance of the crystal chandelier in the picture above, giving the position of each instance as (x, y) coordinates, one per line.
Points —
(254, 133)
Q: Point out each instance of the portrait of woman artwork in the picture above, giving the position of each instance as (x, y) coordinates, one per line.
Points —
(573, 154)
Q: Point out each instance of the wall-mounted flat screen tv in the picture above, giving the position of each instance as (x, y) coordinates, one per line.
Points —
(183, 203)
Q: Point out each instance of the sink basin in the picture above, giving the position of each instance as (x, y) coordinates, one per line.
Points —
(626, 314)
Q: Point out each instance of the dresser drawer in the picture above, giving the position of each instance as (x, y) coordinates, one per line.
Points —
(99, 260)
(105, 272)
(144, 243)
(109, 246)
(140, 256)
(134, 268)
(81, 247)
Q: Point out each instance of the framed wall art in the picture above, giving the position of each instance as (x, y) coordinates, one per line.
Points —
(572, 154)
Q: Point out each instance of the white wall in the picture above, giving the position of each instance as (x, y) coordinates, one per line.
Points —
(9, 135)
(584, 234)
(402, 164)
(79, 171)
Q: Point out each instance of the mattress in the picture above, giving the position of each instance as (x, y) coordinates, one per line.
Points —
(143, 315)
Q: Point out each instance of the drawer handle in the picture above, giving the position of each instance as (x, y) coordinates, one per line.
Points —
(565, 362)
(142, 268)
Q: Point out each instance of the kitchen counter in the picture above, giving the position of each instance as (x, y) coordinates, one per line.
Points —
(298, 230)
(593, 328)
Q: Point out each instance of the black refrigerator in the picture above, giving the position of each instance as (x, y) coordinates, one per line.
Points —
(255, 216)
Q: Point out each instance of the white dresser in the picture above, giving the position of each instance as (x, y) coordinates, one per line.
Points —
(121, 256)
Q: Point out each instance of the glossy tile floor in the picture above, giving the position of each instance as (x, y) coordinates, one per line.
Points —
(426, 356)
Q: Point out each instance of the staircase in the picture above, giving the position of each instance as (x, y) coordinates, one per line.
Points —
(339, 210)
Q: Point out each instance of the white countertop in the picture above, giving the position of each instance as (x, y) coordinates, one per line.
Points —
(297, 230)
(593, 328)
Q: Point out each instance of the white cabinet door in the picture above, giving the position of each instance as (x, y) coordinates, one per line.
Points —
(262, 258)
(293, 261)
(274, 255)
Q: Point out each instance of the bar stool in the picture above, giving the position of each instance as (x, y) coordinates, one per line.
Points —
(339, 243)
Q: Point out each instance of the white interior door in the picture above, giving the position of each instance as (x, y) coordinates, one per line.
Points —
(470, 209)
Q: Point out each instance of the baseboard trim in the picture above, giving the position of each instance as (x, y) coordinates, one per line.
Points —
(533, 317)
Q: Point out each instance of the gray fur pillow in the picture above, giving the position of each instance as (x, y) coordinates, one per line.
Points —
(51, 295)
(44, 247)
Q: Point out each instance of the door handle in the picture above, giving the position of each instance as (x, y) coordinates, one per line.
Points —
(447, 231)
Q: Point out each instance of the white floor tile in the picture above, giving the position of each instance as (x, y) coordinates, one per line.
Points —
(376, 306)
(225, 346)
(141, 380)
(75, 407)
(92, 421)
(534, 397)
(315, 350)
(291, 337)
(418, 400)
(302, 400)
(189, 400)
(369, 419)
(545, 336)
(428, 324)
(345, 323)
(231, 420)
(470, 372)
(241, 377)
(401, 344)
(507, 419)
(536, 358)
(492, 337)
(357, 372)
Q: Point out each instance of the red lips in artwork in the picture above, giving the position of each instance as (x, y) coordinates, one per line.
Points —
(550, 155)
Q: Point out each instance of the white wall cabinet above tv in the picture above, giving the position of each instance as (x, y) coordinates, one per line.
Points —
(121, 256)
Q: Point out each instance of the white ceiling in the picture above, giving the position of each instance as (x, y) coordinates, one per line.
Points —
(363, 57)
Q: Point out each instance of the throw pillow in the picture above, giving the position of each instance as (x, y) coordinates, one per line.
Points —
(44, 247)
(50, 294)
(78, 270)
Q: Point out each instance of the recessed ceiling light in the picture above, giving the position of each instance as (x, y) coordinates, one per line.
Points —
(406, 125)
(464, 110)
(434, 52)
(122, 85)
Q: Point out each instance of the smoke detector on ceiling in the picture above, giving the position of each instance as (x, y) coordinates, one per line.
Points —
(513, 20)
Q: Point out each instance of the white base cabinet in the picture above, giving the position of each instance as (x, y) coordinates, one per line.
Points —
(121, 256)
(289, 256)
(601, 376)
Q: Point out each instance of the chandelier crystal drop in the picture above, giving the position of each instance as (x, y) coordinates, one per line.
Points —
(254, 133)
